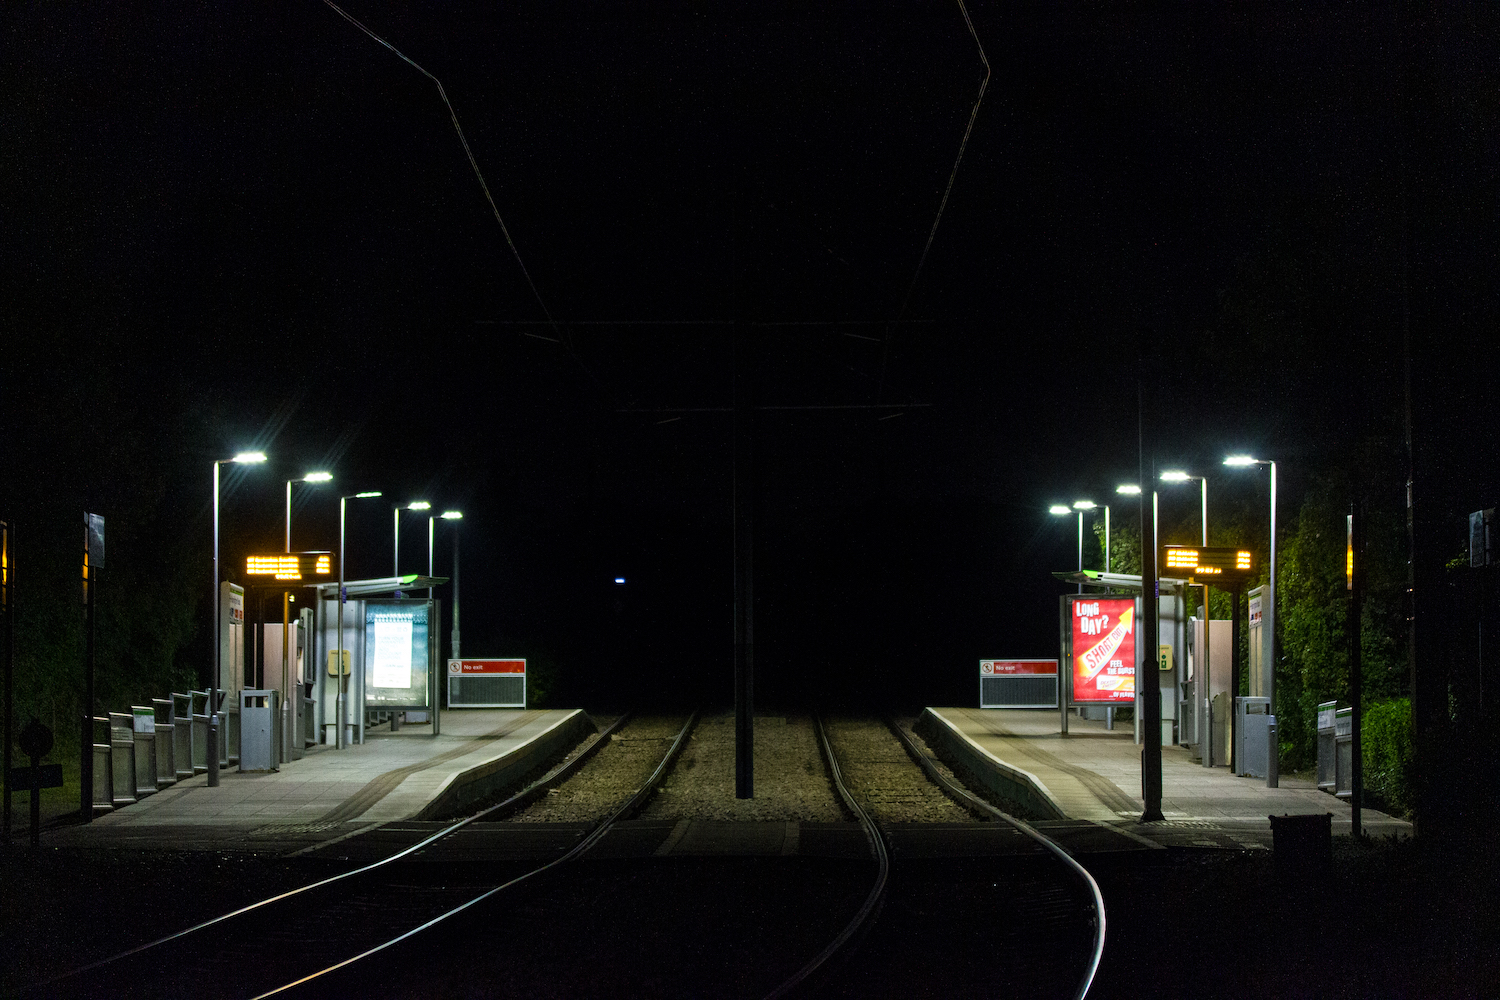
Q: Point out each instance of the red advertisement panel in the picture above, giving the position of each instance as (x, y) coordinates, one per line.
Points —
(1104, 650)
(1015, 668)
(466, 668)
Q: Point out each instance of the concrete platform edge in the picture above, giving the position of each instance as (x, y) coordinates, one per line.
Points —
(1012, 784)
(479, 782)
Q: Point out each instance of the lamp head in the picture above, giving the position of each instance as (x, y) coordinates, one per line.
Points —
(249, 457)
(418, 505)
(1175, 476)
(1084, 505)
(1241, 460)
(1058, 508)
(367, 495)
(452, 515)
(1129, 489)
(317, 477)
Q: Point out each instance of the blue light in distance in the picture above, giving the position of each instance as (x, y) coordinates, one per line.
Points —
(619, 579)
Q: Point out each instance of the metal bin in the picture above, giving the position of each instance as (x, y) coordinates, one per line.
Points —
(1252, 720)
(260, 729)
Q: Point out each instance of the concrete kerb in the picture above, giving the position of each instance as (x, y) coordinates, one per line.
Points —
(463, 790)
(1019, 791)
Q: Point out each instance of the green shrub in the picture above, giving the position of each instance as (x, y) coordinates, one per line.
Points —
(1387, 751)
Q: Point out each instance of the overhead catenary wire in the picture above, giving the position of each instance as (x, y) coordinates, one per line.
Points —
(943, 204)
(479, 176)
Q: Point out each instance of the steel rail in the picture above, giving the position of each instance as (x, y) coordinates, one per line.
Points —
(629, 807)
(977, 805)
(871, 906)
(552, 777)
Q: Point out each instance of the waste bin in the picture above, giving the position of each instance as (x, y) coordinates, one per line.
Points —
(1327, 747)
(1343, 735)
(165, 741)
(1252, 717)
(122, 757)
(260, 729)
(144, 724)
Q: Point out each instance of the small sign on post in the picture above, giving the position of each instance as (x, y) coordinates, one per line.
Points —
(487, 683)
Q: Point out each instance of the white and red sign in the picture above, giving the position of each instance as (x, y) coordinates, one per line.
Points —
(1104, 650)
(1017, 668)
(479, 668)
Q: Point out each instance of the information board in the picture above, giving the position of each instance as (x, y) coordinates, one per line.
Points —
(1017, 683)
(398, 654)
(487, 683)
(1103, 650)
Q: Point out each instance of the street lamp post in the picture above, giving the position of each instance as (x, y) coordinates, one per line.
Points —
(1269, 612)
(396, 549)
(243, 458)
(1125, 489)
(1175, 476)
(454, 516)
(286, 610)
(1059, 510)
(338, 656)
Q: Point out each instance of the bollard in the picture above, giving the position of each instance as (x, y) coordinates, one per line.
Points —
(1273, 757)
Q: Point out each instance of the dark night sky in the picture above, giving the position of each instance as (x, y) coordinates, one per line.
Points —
(263, 224)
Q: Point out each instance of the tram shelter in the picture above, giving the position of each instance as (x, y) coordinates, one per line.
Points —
(386, 661)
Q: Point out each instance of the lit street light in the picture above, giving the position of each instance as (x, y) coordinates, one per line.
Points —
(396, 553)
(338, 656)
(1090, 505)
(1269, 606)
(1080, 506)
(1176, 476)
(243, 458)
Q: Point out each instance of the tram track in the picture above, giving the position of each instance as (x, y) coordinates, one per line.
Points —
(384, 908)
(208, 956)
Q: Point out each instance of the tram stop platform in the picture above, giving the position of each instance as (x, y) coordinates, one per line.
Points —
(1092, 774)
(331, 794)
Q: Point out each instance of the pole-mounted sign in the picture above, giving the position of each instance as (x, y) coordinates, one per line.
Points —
(1222, 564)
(290, 565)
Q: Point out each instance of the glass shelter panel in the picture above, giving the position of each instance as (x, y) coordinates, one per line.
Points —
(397, 654)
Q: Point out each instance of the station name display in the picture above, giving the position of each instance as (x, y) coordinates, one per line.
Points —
(1104, 650)
(290, 565)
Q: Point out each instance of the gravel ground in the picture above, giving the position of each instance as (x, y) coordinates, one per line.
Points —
(611, 775)
(884, 778)
(791, 782)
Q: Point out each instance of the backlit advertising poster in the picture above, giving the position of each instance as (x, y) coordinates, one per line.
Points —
(1104, 650)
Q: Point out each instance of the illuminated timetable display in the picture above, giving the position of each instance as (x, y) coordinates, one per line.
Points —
(1209, 561)
(290, 565)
